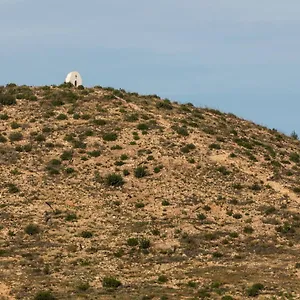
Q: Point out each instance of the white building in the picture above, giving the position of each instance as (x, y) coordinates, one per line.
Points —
(75, 78)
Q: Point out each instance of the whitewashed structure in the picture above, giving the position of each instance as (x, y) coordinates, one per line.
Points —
(75, 78)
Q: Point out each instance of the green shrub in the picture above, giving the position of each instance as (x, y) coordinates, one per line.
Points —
(142, 126)
(187, 148)
(233, 235)
(7, 99)
(132, 118)
(227, 297)
(123, 157)
(83, 286)
(237, 216)
(79, 144)
(116, 147)
(114, 180)
(69, 170)
(201, 217)
(144, 243)
(192, 284)
(94, 153)
(15, 136)
(3, 139)
(99, 122)
(44, 295)
(286, 228)
(164, 104)
(61, 117)
(248, 229)
(27, 147)
(4, 117)
(214, 146)
(244, 143)
(110, 137)
(71, 217)
(126, 172)
(111, 282)
(165, 203)
(255, 187)
(86, 234)
(296, 190)
(89, 132)
(162, 279)
(270, 210)
(255, 290)
(12, 188)
(217, 254)
(139, 205)
(140, 172)
(294, 135)
(53, 166)
(157, 169)
(181, 130)
(132, 242)
(15, 125)
(223, 170)
(40, 138)
(66, 155)
(32, 229)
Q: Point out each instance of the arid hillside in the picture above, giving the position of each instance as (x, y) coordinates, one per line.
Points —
(106, 194)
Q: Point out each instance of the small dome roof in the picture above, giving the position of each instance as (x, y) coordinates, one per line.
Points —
(75, 78)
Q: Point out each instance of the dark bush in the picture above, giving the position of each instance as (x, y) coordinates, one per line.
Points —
(214, 146)
(4, 117)
(111, 282)
(248, 229)
(223, 170)
(32, 229)
(142, 126)
(144, 243)
(140, 172)
(164, 104)
(132, 118)
(181, 130)
(114, 180)
(94, 153)
(83, 286)
(66, 155)
(7, 99)
(15, 136)
(99, 122)
(44, 295)
(86, 234)
(110, 137)
(3, 139)
(162, 279)
(71, 217)
(132, 242)
(62, 117)
(255, 289)
(12, 188)
(40, 138)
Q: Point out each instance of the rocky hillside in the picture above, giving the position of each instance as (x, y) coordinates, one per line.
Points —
(106, 194)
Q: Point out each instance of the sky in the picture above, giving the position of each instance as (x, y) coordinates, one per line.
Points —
(237, 56)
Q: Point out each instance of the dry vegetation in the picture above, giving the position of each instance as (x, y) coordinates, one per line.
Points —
(107, 194)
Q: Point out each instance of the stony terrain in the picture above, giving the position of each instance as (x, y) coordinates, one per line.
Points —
(106, 194)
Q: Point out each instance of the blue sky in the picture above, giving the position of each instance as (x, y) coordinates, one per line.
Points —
(238, 56)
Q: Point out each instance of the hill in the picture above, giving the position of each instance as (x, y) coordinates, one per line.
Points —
(107, 194)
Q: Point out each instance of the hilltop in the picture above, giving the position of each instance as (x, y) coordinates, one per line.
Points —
(107, 194)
